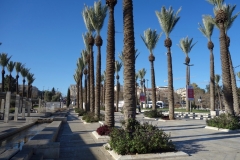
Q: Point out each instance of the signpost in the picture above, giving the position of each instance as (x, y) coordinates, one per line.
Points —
(142, 97)
(190, 93)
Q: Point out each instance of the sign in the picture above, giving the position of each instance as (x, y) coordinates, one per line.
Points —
(142, 97)
(190, 93)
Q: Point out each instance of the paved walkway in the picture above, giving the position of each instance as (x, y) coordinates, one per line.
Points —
(189, 136)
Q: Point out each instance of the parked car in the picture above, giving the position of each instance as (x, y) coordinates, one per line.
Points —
(159, 104)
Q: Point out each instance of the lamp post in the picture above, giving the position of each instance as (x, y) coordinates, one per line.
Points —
(147, 91)
(200, 101)
(188, 83)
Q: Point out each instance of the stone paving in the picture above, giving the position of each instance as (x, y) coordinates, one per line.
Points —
(189, 136)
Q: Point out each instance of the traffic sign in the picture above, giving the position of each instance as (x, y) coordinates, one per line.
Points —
(190, 93)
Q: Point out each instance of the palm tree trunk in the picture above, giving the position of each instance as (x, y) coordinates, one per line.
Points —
(187, 83)
(86, 90)
(110, 69)
(212, 81)
(136, 93)
(226, 77)
(28, 90)
(81, 92)
(10, 83)
(3, 72)
(78, 93)
(153, 87)
(170, 85)
(146, 96)
(234, 87)
(23, 87)
(98, 84)
(17, 91)
(219, 98)
(129, 61)
(92, 89)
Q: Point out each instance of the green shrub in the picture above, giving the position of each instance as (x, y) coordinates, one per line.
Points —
(90, 117)
(80, 112)
(153, 114)
(139, 139)
(225, 121)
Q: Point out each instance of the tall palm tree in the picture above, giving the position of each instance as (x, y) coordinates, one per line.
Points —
(97, 19)
(29, 80)
(109, 97)
(80, 66)
(186, 45)
(4, 59)
(217, 79)
(168, 21)
(118, 66)
(86, 17)
(150, 39)
(220, 19)
(86, 58)
(104, 87)
(10, 67)
(18, 67)
(142, 72)
(24, 73)
(76, 77)
(207, 30)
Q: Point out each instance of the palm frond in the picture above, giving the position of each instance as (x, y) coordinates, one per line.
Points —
(97, 16)
(136, 76)
(24, 72)
(207, 27)
(218, 77)
(217, 3)
(30, 77)
(80, 65)
(136, 54)
(121, 57)
(86, 18)
(142, 72)
(186, 45)
(10, 66)
(229, 11)
(118, 66)
(150, 39)
(18, 66)
(167, 19)
(4, 59)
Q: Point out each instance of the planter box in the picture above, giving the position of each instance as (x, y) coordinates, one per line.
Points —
(97, 136)
(221, 129)
(146, 156)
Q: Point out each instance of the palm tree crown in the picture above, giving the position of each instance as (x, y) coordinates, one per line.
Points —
(206, 28)
(167, 19)
(18, 66)
(186, 45)
(150, 39)
(4, 59)
(10, 66)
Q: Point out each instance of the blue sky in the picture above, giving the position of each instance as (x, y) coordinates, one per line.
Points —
(47, 37)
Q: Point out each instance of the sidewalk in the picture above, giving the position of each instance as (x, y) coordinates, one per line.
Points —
(77, 141)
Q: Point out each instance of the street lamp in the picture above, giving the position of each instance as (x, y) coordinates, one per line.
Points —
(188, 82)
(147, 91)
(200, 101)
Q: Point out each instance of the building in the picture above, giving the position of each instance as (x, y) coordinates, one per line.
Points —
(73, 91)
(182, 93)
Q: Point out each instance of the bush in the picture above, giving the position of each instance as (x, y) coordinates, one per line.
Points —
(153, 114)
(225, 121)
(90, 117)
(140, 139)
(80, 112)
(103, 130)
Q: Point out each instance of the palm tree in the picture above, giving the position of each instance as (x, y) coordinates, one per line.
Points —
(150, 39)
(186, 45)
(97, 19)
(30, 80)
(118, 67)
(10, 67)
(207, 30)
(18, 67)
(217, 79)
(168, 21)
(76, 77)
(24, 73)
(220, 19)
(142, 73)
(4, 59)
(86, 16)
(86, 58)
(109, 97)
(80, 66)
(102, 89)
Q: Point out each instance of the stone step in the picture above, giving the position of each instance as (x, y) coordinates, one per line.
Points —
(8, 154)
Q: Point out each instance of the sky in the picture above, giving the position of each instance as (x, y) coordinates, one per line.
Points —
(46, 36)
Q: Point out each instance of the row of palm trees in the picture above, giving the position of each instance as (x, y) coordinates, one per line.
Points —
(94, 17)
(20, 68)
